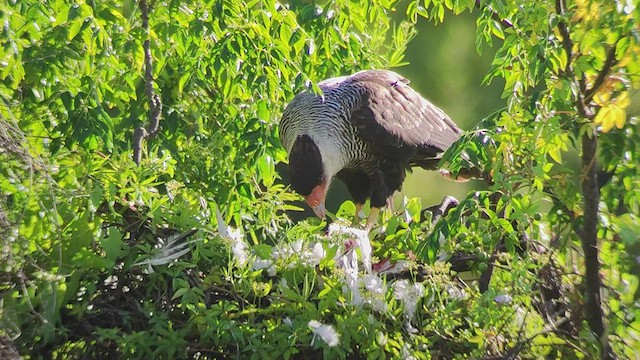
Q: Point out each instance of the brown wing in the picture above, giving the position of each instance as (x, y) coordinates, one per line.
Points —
(396, 120)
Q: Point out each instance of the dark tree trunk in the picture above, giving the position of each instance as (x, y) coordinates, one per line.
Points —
(593, 308)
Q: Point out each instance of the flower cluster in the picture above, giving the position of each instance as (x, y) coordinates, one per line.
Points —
(326, 332)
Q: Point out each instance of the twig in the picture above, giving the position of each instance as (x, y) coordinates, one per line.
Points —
(567, 45)
(602, 76)
(155, 103)
(494, 15)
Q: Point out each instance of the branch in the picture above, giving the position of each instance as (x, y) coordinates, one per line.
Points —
(494, 15)
(155, 103)
(602, 76)
(567, 45)
(555, 199)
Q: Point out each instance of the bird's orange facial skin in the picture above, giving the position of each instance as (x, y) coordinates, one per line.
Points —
(316, 199)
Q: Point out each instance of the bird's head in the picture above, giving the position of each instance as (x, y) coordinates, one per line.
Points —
(308, 175)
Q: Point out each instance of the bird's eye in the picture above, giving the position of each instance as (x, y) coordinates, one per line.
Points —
(314, 203)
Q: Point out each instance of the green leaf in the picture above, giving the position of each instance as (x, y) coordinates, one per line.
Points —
(112, 244)
(74, 28)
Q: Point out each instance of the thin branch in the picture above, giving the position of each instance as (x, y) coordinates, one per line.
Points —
(494, 15)
(555, 199)
(155, 103)
(567, 45)
(602, 76)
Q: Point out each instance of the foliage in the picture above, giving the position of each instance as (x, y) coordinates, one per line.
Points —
(99, 257)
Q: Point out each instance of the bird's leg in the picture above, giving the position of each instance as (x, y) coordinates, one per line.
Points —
(373, 218)
(359, 213)
(390, 202)
(379, 197)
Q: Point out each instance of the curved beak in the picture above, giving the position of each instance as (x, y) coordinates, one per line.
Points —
(320, 211)
(316, 200)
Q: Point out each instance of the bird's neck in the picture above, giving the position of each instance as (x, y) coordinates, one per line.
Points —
(333, 154)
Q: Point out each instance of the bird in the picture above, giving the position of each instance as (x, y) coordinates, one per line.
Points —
(367, 130)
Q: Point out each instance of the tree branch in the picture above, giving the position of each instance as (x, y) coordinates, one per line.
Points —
(155, 103)
(602, 76)
(494, 15)
(567, 45)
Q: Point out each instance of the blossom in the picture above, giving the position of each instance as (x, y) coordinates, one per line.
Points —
(326, 332)
(347, 259)
(455, 292)
(298, 251)
(407, 354)
(410, 294)
(503, 299)
(240, 252)
(259, 264)
(287, 321)
(374, 284)
(235, 238)
(356, 237)
(317, 253)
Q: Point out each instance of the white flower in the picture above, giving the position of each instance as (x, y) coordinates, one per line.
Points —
(410, 294)
(298, 252)
(317, 253)
(503, 299)
(353, 284)
(326, 332)
(455, 292)
(410, 328)
(626, 6)
(259, 264)
(287, 321)
(240, 252)
(407, 354)
(359, 237)
(296, 246)
(235, 239)
(271, 271)
(521, 315)
(374, 284)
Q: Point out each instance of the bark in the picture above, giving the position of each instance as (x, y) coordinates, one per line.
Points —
(593, 312)
(155, 103)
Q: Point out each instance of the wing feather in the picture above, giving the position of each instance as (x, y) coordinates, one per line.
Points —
(396, 120)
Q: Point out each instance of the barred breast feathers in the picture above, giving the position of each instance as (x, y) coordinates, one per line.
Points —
(326, 119)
